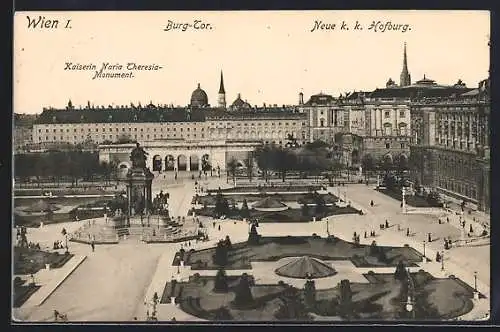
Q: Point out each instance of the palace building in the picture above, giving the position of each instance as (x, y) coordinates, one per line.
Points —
(445, 127)
(451, 147)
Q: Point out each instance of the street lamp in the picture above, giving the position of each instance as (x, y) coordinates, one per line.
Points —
(424, 251)
(442, 260)
(66, 238)
(475, 281)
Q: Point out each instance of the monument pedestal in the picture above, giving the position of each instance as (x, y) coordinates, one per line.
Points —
(139, 195)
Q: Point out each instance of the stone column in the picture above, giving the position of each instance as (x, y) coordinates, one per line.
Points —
(176, 163)
(129, 198)
(188, 164)
(199, 162)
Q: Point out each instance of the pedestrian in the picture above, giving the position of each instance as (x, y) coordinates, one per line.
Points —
(447, 219)
(219, 227)
(429, 237)
(371, 203)
(471, 230)
(92, 245)
(386, 224)
(408, 231)
(365, 234)
(214, 224)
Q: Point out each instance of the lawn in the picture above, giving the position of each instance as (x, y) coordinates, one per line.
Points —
(22, 292)
(282, 197)
(380, 299)
(275, 248)
(30, 261)
(289, 215)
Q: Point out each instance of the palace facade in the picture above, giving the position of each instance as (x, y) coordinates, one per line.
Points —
(451, 149)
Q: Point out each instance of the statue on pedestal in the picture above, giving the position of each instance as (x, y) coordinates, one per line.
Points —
(138, 157)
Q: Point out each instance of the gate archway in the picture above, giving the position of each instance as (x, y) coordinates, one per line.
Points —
(194, 161)
(169, 163)
(157, 163)
(205, 163)
(182, 162)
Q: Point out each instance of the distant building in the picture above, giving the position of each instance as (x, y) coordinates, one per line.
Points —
(452, 144)
(23, 132)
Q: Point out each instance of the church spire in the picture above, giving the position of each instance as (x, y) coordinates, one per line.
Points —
(221, 88)
(222, 92)
(405, 78)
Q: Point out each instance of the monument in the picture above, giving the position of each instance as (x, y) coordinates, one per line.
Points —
(139, 180)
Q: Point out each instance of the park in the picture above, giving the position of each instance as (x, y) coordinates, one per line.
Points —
(274, 245)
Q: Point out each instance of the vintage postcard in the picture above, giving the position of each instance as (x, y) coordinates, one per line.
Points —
(251, 166)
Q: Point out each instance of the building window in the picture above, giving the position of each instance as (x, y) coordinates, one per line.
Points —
(387, 114)
(322, 122)
(402, 114)
(387, 145)
(402, 145)
(135, 129)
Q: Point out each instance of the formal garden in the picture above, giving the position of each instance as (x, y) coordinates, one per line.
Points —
(383, 297)
(303, 207)
(240, 255)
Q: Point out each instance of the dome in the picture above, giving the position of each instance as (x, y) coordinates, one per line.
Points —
(199, 97)
(239, 103)
(306, 267)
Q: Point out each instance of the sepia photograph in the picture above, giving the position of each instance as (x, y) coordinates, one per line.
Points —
(251, 166)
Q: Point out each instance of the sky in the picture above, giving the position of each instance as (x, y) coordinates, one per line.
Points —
(268, 56)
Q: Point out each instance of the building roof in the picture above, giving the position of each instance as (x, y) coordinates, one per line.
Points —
(121, 115)
(239, 103)
(418, 90)
(160, 114)
(320, 99)
(306, 267)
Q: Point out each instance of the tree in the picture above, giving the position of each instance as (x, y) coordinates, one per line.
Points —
(305, 210)
(402, 163)
(320, 204)
(249, 165)
(227, 243)
(232, 166)
(221, 205)
(220, 284)
(374, 248)
(368, 164)
(253, 236)
(310, 293)
(244, 210)
(243, 293)
(221, 254)
(292, 307)
(400, 273)
(387, 163)
(263, 154)
(345, 303)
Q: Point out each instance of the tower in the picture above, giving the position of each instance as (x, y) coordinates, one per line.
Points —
(405, 78)
(222, 92)
(301, 98)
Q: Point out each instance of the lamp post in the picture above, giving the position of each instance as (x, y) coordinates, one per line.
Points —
(424, 251)
(66, 239)
(442, 260)
(475, 281)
